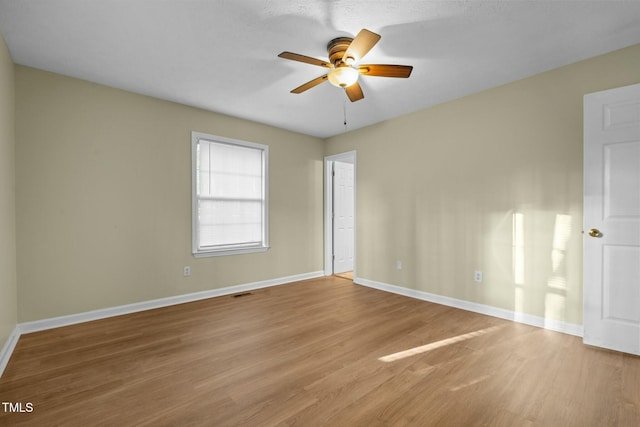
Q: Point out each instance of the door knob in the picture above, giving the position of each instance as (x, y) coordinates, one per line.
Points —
(594, 232)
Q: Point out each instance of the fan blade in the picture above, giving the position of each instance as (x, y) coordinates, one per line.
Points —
(306, 59)
(401, 71)
(360, 46)
(308, 85)
(354, 92)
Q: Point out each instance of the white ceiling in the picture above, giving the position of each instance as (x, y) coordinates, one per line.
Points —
(221, 55)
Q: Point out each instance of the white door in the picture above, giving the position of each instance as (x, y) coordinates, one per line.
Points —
(343, 222)
(612, 219)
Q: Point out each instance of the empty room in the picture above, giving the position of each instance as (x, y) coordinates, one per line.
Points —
(319, 213)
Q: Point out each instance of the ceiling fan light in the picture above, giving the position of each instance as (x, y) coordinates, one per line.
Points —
(343, 76)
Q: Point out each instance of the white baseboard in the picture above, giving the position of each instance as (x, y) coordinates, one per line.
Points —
(7, 350)
(56, 322)
(541, 322)
(72, 319)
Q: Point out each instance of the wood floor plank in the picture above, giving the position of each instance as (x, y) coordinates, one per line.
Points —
(315, 353)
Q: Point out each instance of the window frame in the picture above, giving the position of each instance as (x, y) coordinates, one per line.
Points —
(231, 249)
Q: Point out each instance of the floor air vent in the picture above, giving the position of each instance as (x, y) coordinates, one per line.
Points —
(244, 294)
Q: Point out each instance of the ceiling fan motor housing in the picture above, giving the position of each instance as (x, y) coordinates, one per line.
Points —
(336, 49)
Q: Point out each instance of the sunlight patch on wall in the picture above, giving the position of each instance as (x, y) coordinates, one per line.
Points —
(518, 261)
(554, 306)
(557, 282)
(518, 248)
(561, 234)
(555, 299)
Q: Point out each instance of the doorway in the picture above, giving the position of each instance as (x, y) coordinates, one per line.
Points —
(340, 214)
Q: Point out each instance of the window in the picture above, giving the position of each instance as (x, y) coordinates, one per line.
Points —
(229, 201)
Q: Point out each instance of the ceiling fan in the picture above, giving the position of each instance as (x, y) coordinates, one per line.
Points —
(344, 53)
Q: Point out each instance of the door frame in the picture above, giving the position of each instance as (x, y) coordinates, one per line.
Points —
(347, 157)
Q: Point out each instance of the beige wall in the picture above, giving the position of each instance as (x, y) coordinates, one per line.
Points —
(441, 190)
(8, 291)
(104, 198)
(103, 195)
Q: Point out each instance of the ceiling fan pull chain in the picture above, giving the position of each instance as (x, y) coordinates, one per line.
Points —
(344, 105)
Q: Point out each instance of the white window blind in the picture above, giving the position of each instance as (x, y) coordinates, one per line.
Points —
(230, 196)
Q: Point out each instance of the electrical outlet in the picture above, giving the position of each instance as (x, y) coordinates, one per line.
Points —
(398, 265)
(477, 276)
(186, 271)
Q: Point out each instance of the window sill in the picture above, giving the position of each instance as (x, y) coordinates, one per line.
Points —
(224, 252)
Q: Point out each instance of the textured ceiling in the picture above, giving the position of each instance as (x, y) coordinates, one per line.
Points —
(222, 55)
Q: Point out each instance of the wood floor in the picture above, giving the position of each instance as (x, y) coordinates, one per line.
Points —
(345, 275)
(321, 352)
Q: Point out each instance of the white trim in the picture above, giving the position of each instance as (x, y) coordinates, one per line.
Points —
(348, 157)
(328, 221)
(249, 250)
(529, 319)
(196, 249)
(72, 319)
(7, 350)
